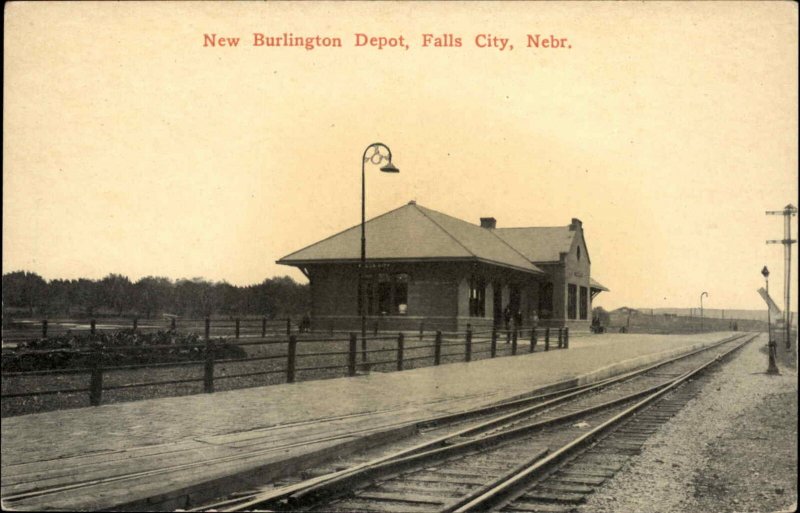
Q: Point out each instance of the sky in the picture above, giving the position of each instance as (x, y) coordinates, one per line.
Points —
(667, 128)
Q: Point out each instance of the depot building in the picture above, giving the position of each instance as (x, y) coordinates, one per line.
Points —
(425, 269)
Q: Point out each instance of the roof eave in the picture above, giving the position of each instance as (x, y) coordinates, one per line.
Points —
(297, 263)
(325, 261)
(534, 270)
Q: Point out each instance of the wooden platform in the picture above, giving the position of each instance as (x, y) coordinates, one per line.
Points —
(169, 453)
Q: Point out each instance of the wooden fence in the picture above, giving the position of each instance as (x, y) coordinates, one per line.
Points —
(26, 330)
(377, 352)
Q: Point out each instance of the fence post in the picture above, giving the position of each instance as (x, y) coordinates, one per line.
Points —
(96, 379)
(421, 329)
(560, 338)
(493, 351)
(263, 327)
(375, 331)
(291, 359)
(237, 327)
(44, 328)
(364, 350)
(208, 374)
(566, 337)
(135, 324)
(92, 327)
(514, 341)
(288, 325)
(173, 325)
(468, 346)
(400, 348)
(533, 339)
(508, 335)
(547, 339)
(351, 355)
(437, 348)
(207, 331)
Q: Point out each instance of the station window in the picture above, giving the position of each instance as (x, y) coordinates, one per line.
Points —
(572, 301)
(546, 300)
(400, 294)
(584, 306)
(579, 252)
(386, 294)
(477, 297)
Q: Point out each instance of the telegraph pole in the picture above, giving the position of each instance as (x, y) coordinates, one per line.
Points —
(787, 213)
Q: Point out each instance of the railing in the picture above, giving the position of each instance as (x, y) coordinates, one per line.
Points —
(306, 356)
(26, 330)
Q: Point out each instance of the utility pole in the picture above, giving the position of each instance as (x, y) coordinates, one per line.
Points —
(787, 213)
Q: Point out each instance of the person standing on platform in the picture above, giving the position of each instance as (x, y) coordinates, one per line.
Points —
(507, 319)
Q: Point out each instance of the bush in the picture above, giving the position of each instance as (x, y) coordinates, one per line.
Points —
(124, 347)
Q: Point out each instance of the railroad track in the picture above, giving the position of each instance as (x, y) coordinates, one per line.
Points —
(525, 455)
(433, 433)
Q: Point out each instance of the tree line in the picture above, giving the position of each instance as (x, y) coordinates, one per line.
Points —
(27, 293)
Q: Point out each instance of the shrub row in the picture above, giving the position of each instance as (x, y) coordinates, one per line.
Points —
(114, 349)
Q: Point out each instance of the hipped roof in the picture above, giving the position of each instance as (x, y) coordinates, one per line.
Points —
(539, 243)
(415, 233)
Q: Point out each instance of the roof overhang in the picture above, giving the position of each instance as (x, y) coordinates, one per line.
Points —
(354, 261)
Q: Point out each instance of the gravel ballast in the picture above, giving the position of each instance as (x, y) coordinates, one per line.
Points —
(733, 448)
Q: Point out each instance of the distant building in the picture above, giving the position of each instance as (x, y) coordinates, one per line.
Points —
(427, 268)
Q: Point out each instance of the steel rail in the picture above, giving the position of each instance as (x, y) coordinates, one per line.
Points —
(453, 417)
(248, 498)
(341, 484)
(434, 447)
(485, 499)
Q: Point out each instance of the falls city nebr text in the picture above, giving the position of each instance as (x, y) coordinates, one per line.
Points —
(361, 40)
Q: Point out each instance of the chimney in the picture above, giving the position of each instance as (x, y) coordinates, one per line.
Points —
(576, 224)
(488, 222)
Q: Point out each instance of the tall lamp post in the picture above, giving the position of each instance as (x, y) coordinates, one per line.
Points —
(376, 158)
(701, 309)
(772, 368)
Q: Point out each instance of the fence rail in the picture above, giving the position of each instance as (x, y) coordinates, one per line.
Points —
(26, 330)
(301, 353)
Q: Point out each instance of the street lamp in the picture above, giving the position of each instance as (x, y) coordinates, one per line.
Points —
(772, 368)
(701, 309)
(376, 158)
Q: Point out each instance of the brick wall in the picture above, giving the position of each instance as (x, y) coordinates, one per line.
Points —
(438, 295)
(575, 270)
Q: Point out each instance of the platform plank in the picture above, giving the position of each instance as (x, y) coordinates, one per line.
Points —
(173, 452)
